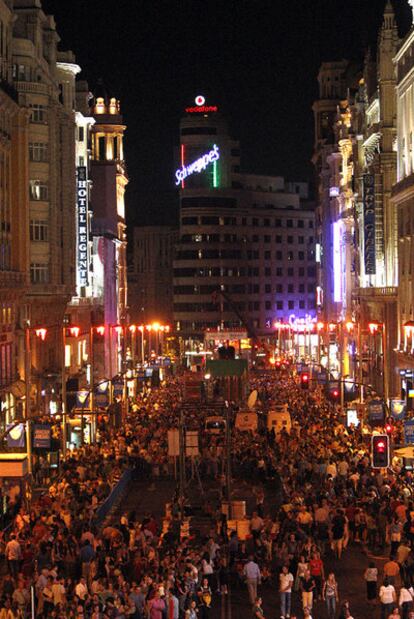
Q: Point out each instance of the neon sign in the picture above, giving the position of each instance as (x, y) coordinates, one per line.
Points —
(200, 106)
(82, 226)
(337, 263)
(197, 166)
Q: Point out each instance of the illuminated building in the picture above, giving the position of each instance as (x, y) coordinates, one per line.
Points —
(355, 162)
(248, 236)
(402, 200)
(150, 295)
(109, 269)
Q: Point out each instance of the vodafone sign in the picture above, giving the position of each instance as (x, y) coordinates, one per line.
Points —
(200, 106)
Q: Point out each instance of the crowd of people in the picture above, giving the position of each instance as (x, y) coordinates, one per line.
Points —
(315, 494)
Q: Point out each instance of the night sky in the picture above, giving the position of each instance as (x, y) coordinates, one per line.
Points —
(257, 59)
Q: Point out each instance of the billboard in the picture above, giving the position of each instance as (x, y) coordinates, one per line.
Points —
(82, 266)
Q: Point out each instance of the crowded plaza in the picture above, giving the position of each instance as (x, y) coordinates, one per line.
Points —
(315, 501)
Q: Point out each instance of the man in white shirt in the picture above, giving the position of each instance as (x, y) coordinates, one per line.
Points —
(285, 588)
(387, 598)
(253, 578)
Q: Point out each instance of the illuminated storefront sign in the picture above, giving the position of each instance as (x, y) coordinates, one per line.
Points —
(197, 166)
(337, 266)
(82, 232)
(369, 223)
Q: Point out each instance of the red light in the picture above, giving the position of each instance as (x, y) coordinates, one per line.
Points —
(388, 428)
(380, 446)
(305, 378)
(335, 393)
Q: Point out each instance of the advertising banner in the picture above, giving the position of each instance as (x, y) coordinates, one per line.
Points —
(409, 432)
(398, 409)
(376, 411)
(102, 395)
(16, 436)
(42, 435)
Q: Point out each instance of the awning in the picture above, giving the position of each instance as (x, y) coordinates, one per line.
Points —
(405, 452)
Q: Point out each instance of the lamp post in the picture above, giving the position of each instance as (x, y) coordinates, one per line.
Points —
(141, 329)
(27, 378)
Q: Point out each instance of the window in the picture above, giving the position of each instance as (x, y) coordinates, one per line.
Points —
(255, 238)
(278, 238)
(268, 305)
(279, 288)
(289, 223)
(301, 304)
(290, 239)
(301, 288)
(311, 288)
(255, 221)
(301, 255)
(290, 272)
(266, 223)
(311, 271)
(39, 273)
(268, 271)
(38, 190)
(81, 134)
(244, 221)
(291, 305)
(267, 238)
(301, 223)
(267, 255)
(39, 230)
(310, 224)
(301, 272)
(38, 151)
(279, 271)
(38, 114)
(291, 288)
(278, 223)
(279, 305)
(268, 289)
(290, 255)
(278, 255)
(101, 148)
(301, 240)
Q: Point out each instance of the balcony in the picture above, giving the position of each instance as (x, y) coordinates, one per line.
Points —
(12, 279)
(386, 293)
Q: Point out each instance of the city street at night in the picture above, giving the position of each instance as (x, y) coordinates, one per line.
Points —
(206, 309)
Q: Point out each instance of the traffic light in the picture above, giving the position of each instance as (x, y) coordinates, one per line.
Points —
(304, 380)
(380, 451)
(388, 428)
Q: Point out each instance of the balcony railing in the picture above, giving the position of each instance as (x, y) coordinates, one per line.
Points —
(385, 291)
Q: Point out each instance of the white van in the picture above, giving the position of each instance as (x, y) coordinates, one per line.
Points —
(279, 419)
(246, 421)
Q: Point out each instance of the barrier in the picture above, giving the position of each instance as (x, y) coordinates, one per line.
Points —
(117, 492)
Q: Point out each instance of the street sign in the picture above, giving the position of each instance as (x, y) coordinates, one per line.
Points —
(409, 432)
(173, 443)
(398, 408)
(191, 443)
(376, 411)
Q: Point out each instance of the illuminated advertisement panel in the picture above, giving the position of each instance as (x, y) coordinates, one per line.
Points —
(337, 263)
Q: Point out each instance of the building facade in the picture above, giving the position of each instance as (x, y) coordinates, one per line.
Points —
(14, 218)
(150, 274)
(44, 89)
(246, 254)
(355, 161)
(403, 203)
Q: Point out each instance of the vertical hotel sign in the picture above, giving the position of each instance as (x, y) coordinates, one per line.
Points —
(82, 241)
(369, 223)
